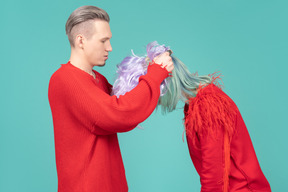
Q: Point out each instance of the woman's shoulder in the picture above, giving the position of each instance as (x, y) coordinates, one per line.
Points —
(211, 91)
(211, 107)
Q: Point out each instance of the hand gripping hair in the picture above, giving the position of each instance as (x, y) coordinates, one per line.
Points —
(181, 86)
(132, 67)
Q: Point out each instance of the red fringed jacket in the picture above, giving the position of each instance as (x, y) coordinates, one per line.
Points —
(220, 146)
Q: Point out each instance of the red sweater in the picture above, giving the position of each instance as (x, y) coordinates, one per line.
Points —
(86, 121)
(209, 112)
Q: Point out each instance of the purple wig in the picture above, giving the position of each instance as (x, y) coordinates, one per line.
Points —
(132, 67)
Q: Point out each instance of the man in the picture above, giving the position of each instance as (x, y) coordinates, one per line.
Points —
(86, 118)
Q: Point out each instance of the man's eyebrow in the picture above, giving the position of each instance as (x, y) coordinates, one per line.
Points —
(105, 38)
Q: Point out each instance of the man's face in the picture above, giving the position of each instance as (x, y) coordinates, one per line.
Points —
(97, 47)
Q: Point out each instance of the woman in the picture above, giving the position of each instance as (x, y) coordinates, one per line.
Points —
(218, 140)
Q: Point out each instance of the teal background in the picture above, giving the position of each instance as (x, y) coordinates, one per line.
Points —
(245, 40)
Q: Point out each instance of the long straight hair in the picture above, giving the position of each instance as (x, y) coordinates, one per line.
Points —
(182, 86)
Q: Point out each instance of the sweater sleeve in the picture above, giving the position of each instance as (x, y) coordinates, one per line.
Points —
(104, 114)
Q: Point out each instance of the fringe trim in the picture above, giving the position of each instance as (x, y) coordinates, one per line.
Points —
(216, 80)
(226, 162)
(207, 113)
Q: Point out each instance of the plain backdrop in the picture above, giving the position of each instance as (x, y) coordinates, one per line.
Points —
(246, 40)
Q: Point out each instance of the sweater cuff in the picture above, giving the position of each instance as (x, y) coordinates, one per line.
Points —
(157, 73)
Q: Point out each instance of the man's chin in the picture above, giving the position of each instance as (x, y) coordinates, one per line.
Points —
(101, 64)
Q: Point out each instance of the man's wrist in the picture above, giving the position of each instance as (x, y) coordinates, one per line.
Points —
(156, 72)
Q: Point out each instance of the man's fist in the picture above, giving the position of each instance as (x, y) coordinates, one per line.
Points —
(165, 60)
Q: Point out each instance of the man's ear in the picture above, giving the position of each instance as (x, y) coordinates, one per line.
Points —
(79, 41)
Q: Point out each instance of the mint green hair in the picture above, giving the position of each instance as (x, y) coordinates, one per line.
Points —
(182, 86)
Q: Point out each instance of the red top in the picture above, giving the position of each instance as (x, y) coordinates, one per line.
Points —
(86, 119)
(212, 108)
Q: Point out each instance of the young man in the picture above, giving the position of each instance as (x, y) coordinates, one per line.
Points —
(86, 118)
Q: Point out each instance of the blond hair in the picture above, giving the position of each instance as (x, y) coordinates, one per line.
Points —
(81, 20)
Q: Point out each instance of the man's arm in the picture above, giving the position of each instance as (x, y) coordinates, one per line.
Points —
(105, 114)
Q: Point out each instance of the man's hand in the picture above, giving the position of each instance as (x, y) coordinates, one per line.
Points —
(165, 61)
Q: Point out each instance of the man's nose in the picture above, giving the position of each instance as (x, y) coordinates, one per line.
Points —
(109, 47)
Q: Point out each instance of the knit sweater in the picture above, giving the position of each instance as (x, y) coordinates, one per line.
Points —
(220, 146)
(86, 121)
